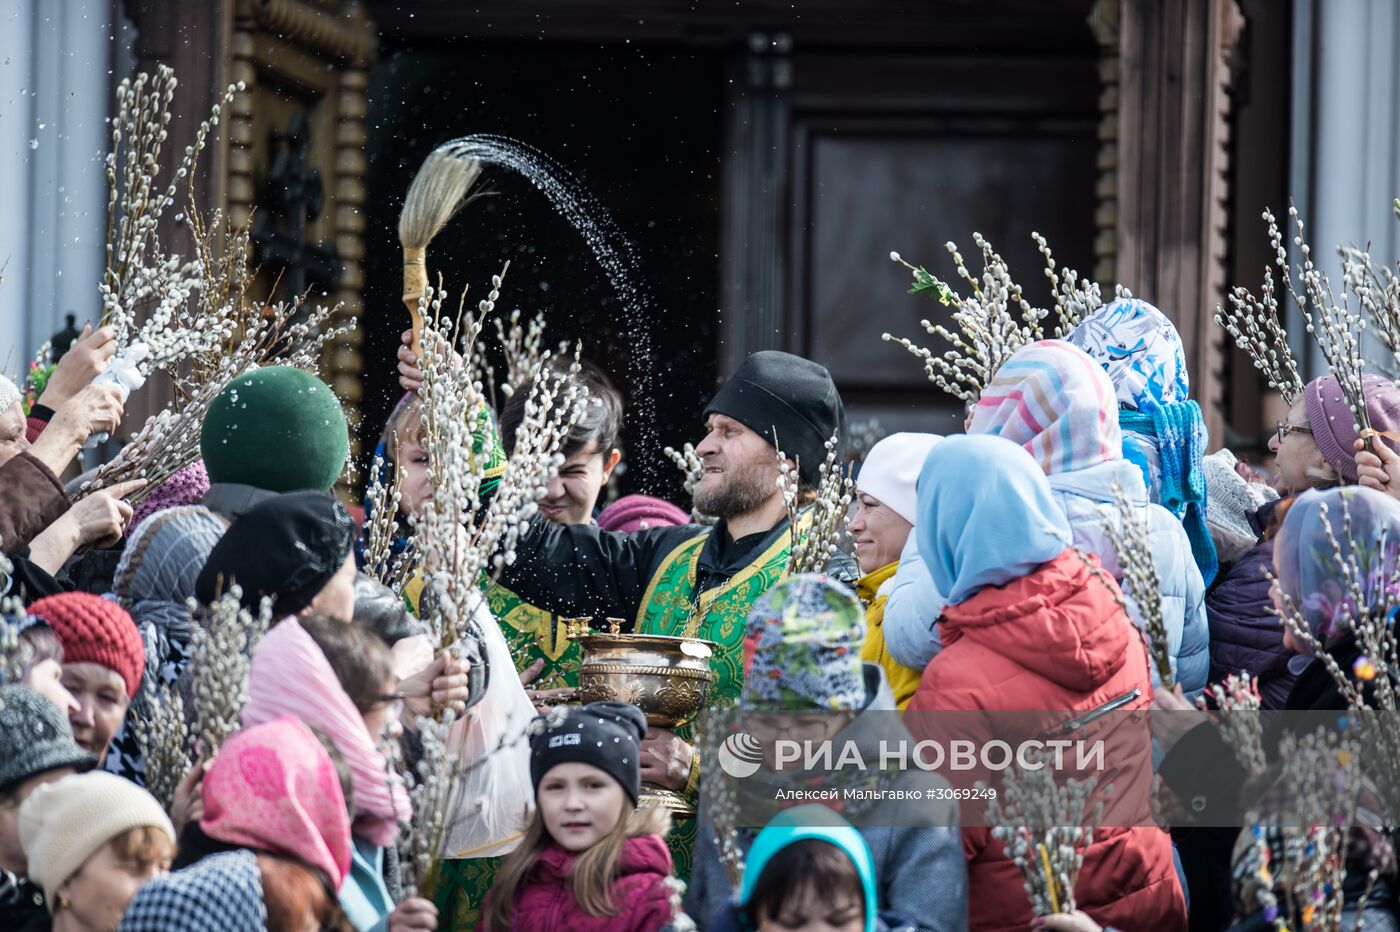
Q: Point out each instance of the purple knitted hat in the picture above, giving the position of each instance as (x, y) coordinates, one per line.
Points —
(186, 486)
(639, 512)
(1334, 426)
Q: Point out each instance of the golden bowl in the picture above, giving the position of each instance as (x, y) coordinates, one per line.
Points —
(668, 678)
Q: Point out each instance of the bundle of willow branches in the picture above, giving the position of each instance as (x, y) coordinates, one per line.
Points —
(994, 321)
(815, 527)
(1045, 828)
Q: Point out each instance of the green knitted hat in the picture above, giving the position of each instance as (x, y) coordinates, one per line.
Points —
(276, 428)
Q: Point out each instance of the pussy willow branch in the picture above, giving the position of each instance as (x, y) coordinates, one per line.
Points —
(383, 530)
(457, 425)
(1131, 541)
(221, 649)
(139, 276)
(815, 528)
(995, 320)
(1256, 324)
(253, 335)
(1238, 700)
(1045, 828)
(164, 740)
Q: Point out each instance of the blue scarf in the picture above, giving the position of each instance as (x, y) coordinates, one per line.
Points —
(1180, 432)
(986, 515)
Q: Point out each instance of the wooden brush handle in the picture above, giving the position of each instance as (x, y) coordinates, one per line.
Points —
(415, 282)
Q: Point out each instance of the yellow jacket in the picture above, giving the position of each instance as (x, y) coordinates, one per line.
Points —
(903, 681)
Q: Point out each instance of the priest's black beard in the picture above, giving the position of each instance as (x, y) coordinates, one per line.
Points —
(743, 491)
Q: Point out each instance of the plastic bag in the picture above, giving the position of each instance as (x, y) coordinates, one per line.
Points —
(492, 742)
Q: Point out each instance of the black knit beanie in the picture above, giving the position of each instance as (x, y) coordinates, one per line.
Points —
(607, 735)
(287, 547)
(789, 401)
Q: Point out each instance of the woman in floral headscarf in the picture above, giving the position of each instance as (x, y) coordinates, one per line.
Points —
(1163, 430)
(275, 790)
(1311, 577)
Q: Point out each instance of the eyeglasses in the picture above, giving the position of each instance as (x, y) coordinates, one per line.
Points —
(1284, 429)
(395, 702)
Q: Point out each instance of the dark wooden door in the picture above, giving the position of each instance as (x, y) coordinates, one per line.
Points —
(838, 156)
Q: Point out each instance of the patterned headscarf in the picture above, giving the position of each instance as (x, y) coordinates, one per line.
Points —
(274, 788)
(1055, 401)
(1164, 432)
(1140, 350)
(802, 647)
(223, 891)
(156, 574)
(1308, 571)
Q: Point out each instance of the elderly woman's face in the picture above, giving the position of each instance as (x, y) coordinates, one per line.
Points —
(1300, 463)
(100, 693)
(12, 433)
(879, 533)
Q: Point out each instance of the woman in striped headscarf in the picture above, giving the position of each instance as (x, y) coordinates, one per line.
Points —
(1059, 405)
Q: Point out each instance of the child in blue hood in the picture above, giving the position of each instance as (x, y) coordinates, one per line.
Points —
(808, 869)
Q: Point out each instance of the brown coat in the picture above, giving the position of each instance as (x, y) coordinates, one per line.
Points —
(31, 498)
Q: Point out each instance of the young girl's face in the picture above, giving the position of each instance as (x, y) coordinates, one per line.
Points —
(816, 913)
(414, 489)
(580, 804)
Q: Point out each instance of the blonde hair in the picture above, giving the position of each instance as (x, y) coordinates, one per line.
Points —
(590, 879)
(144, 846)
(405, 425)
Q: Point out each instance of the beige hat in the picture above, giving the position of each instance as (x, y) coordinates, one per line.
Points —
(64, 823)
(9, 393)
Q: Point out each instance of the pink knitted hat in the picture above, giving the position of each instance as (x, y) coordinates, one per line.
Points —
(639, 512)
(273, 787)
(290, 676)
(186, 486)
(1334, 425)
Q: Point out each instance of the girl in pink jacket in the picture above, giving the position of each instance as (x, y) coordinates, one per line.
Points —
(590, 860)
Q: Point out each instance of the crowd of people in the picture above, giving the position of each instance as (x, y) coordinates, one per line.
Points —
(979, 574)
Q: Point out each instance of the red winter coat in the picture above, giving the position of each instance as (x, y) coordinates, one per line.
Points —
(544, 902)
(1056, 640)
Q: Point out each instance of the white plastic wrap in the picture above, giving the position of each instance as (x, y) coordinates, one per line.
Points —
(494, 748)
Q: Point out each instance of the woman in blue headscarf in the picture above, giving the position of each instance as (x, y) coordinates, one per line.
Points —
(1031, 624)
(1163, 430)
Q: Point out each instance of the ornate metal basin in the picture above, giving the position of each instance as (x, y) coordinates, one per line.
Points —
(668, 678)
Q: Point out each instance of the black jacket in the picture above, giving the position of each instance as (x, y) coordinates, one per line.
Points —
(579, 570)
(21, 902)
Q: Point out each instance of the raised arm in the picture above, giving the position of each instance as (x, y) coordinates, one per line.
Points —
(579, 570)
